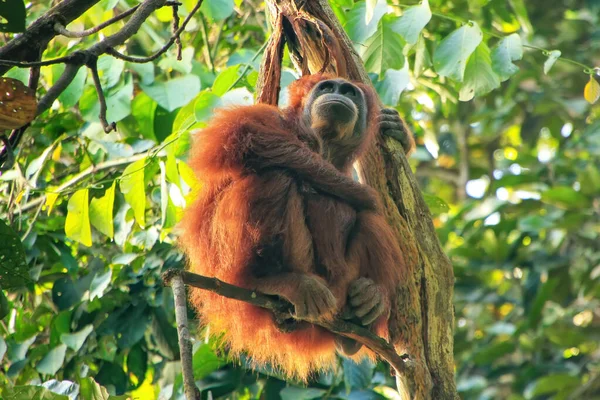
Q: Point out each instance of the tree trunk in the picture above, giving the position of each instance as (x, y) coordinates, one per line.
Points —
(424, 328)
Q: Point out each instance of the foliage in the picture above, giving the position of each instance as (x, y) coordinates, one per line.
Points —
(496, 93)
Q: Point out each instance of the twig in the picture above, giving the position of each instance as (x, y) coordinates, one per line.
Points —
(82, 175)
(402, 364)
(141, 60)
(185, 342)
(61, 84)
(204, 32)
(174, 29)
(93, 66)
(60, 28)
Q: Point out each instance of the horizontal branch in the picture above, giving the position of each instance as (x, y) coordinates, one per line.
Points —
(280, 307)
(82, 175)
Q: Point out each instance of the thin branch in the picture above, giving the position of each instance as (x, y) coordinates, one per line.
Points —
(82, 175)
(185, 342)
(24, 64)
(141, 60)
(204, 32)
(93, 66)
(401, 363)
(60, 28)
(61, 84)
(174, 29)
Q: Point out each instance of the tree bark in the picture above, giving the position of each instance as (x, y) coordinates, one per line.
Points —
(424, 328)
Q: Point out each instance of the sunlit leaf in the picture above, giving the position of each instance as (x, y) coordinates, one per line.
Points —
(226, 80)
(77, 225)
(31, 392)
(393, 84)
(168, 212)
(217, 9)
(356, 27)
(101, 211)
(479, 78)
(133, 188)
(451, 56)
(90, 389)
(76, 339)
(435, 204)
(52, 361)
(384, 48)
(552, 57)
(504, 53)
(592, 90)
(174, 93)
(413, 20)
(205, 104)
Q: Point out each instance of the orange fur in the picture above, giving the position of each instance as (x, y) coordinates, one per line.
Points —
(254, 219)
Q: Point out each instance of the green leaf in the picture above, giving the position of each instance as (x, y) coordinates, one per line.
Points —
(534, 223)
(185, 118)
(534, 313)
(356, 25)
(4, 310)
(226, 80)
(31, 393)
(357, 375)
(217, 9)
(565, 197)
(101, 211)
(205, 105)
(91, 390)
(436, 205)
(75, 340)
(118, 102)
(13, 16)
(392, 85)
(521, 12)
(296, 393)
(549, 63)
(205, 361)
(174, 93)
(479, 78)
(99, 284)
(52, 361)
(71, 95)
(167, 208)
(133, 188)
(412, 21)
(422, 58)
(14, 271)
(504, 53)
(137, 363)
(144, 110)
(370, 10)
(2, 348)
(384, 48)
(551, 384)
(494, 351)
(77, 224)
(451, 56)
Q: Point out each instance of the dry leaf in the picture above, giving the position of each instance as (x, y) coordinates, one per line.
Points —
(592, 90)
(18, 104)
